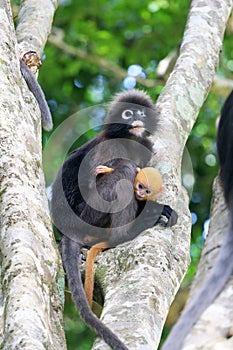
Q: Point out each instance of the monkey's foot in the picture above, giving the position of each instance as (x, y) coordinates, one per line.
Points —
(102, 169)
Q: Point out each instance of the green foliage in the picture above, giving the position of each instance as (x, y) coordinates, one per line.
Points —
(79, 337)
(140, 32)
(132, 32)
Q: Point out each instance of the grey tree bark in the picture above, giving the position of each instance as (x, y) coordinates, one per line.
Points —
(31, 278)
(214, 329)
(141, 278)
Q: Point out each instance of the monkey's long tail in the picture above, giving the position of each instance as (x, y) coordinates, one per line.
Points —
(214, 284)
(34, 87)
(90, 270)
(71, 262)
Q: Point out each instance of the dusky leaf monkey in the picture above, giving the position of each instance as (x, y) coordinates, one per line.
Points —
(89, 209)
(223, 267)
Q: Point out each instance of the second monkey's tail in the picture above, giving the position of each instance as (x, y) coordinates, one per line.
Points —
(71, 262)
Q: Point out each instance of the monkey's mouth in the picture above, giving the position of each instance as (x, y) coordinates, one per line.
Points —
(139, 197)
(137, 128)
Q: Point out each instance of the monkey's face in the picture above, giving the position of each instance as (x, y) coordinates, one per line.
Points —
(136, 119)
(132, 114)
(143, 193)
(147, 184)
(129, 120)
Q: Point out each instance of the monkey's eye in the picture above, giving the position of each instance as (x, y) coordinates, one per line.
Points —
(141, 114)
(140, 186)
(127, 114)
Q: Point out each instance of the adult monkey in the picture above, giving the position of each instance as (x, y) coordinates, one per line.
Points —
(89, 210)
(223, 266)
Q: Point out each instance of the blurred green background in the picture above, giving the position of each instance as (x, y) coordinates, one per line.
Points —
(96, 49)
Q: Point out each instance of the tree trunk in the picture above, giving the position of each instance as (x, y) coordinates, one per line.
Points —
(141, 278)
(31, 304)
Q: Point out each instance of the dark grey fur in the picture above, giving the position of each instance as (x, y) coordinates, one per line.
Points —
(34, 87)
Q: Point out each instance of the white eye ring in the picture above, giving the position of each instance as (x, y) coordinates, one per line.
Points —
(127, 114)
(141, 113)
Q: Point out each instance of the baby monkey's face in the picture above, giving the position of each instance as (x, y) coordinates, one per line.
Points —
(147, 184)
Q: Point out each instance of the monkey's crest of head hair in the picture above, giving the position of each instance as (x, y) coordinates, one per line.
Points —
(134, 96)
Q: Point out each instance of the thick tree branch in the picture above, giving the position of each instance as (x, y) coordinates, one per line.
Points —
(185, 92)
(147, 272)
(221, 86)
(34, 24)
(31, 307)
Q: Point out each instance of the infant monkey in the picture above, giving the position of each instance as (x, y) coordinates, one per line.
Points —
(147, 186)
(147, 183)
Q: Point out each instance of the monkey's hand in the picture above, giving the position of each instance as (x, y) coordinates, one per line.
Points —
(168, 217)
(153, 214)
(102, 169)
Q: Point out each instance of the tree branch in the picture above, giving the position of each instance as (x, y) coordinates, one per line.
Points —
(56, 39)
(221, 86)
(34, 24)
(31, 307)
(147, 272)
(182, 98)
